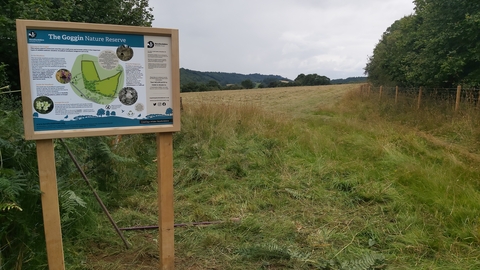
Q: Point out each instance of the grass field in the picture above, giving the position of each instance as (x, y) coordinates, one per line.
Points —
(303, 178)
(295, 101)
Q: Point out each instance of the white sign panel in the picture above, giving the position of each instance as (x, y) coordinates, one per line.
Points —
(88, 80)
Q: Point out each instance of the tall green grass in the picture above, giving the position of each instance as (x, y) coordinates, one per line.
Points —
(353, 186)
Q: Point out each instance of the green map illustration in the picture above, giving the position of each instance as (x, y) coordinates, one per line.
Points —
(95, 83)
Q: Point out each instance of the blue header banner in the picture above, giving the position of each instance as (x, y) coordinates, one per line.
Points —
(83, 38)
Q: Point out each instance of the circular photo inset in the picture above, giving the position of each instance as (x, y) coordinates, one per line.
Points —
(124, 52)
(139, 107)
(43, 104)
(63, 76)
(128, 96)
(108, 60)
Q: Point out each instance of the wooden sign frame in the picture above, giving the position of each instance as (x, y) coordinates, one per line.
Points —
(160, 53)
(77, 72)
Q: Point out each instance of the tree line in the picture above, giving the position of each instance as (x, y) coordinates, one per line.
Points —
(267, 82)
(436, 46)
(223, 78)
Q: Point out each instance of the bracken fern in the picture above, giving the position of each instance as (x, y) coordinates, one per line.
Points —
(367, 262)
(69, 204)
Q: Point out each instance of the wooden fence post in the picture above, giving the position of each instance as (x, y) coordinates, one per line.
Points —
(381, 90)
(396, 94)
(457, 99)
(419, 98)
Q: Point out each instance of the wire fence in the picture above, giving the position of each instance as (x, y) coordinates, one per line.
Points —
(421, 97)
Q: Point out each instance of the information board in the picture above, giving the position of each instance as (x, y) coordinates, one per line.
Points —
(95, 80)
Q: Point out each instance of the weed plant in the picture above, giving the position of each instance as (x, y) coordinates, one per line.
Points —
(20, 231)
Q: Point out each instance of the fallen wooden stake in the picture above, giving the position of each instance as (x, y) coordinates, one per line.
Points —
(205, 223)
(99, 200)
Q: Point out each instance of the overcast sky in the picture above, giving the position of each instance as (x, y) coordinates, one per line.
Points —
(282, 37)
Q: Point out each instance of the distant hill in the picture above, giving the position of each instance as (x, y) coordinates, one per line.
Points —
(350, 80)
(224, 78)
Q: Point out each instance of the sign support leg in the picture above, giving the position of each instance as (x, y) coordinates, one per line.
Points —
(50, 205)
(165, 200)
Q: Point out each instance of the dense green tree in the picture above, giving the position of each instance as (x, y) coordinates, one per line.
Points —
(454, 36)
(300, 79)
(10, 11)
(311, 79)
(213, 85)
(273, 84)
(189, 87)
(194, 87)
(438, 46)
(248, 84)
(123, 12)
(393, 56)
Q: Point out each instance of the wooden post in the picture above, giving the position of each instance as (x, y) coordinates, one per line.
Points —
(50, 205)
(165, 200)
(381, 90)
(396, 94)
(419, 98)
(369, 89)
(457, 99)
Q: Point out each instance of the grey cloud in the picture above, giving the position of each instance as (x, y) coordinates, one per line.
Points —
(284, 37)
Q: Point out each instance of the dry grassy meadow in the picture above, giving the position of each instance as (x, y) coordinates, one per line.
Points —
(296, 101)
